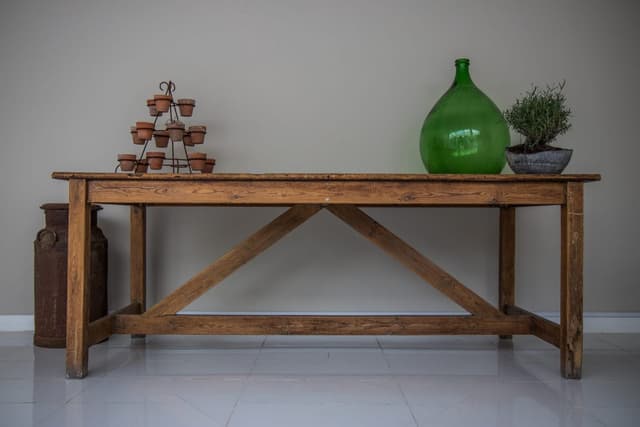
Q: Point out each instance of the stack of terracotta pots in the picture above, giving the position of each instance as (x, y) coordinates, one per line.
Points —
(174, 131)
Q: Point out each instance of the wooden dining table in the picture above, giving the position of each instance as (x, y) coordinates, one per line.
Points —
(343, 195)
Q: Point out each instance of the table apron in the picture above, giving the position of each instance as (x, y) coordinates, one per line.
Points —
(360, 193)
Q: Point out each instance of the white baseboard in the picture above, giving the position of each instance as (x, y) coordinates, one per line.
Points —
(607, 323)
(16, 322)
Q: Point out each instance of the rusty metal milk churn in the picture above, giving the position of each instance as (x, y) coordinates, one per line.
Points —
(50, 271)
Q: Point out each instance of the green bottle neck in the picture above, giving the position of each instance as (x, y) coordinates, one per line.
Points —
(463, 78)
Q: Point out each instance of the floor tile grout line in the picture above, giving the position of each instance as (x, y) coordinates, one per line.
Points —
(384, 356)
(406, 402)
(194, 407)
(99, 379)
(258, 353)
(592, 413)
(244, 388)
(61, 408)
(233, 410)
(247, 379)
(626, 350)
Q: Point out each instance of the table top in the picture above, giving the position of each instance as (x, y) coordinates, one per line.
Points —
(325, 177)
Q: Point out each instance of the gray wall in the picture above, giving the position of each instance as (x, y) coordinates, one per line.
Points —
(317, 86)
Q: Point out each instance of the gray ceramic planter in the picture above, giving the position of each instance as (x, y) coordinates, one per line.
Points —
(549, 162)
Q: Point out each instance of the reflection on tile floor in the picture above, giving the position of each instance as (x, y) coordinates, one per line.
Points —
(321, 381)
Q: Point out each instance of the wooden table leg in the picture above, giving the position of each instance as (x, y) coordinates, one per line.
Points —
(138, 258)
(507, 295)
(571, 282)
(79, 255)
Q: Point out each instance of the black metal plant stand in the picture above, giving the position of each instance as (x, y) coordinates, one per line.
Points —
(175, 162)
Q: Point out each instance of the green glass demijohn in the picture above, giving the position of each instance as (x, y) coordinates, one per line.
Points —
(464, 132)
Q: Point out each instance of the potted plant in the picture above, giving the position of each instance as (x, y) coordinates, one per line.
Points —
(541, 115)
(208, 165)
(153, 111)
(155, 159)
(142, 166)
(127, 162)
(176, 130)
(186, 106)
(162, 138)
(134, 136)
(163, 102)
(145, 130)
(186, 139)
(197, 134)
(197, 160)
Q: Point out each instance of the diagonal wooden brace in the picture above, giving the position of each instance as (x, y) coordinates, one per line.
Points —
(232, 260)
(414, 260)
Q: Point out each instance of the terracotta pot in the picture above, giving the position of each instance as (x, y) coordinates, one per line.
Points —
(186, 106)
(197, 134)
(142, 166)
(186, 139)
(155, 159)
(134, 136)
(127, 162)
(145, 130)
(176, 130)
(208, 165)
(163, 102)
(197, 160)
(153, 111)
(162, 138)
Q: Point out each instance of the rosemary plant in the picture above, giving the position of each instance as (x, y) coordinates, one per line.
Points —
(540, 116)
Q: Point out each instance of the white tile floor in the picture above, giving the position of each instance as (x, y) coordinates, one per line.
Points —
(321, 381)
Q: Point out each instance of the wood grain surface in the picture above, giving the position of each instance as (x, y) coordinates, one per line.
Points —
(102, 328)
(572, 235)
(325, 177)
(361, 193)
(319, 325)
(507, 260)
(543, 328)
(78, 259)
